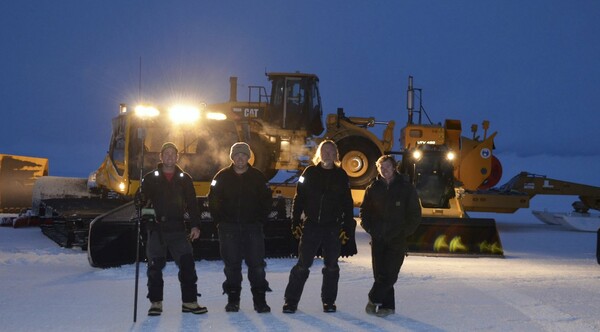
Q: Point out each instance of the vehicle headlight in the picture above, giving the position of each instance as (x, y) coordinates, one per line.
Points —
(216, 116)
(417, 154)
(450, 155)
(184, 114)
(145, 111)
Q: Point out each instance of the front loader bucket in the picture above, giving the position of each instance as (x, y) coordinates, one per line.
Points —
(461, 237)
(112, 238)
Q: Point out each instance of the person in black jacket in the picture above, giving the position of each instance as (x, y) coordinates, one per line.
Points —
(240, 202)
(390, 212)
(170, 191)
(322, 208)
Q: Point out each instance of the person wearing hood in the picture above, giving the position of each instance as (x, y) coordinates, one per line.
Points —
(239, 201)
(390, 212)
(170, 192)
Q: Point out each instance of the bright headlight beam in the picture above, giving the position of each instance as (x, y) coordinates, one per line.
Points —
(417, 154)
(145, 111)
(450, 155)
(184, 114)
(216, 116)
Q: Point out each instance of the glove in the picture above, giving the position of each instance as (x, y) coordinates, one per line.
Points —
(148, 215)
(348, 227)
(139, 200)
(297, 229)
(344, 237)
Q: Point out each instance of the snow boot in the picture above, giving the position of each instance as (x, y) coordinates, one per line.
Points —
(329, 307)
(232, 307)
(371, 308)
(193, 307)
(260, 303)
(384, 312)
(155, 309)
(290, 307)
(233, 301)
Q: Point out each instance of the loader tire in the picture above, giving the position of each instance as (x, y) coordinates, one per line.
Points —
(358, 156)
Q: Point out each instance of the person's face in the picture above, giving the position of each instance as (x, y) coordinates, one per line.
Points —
(386, 170)
(240, 161)
(169, 157)
(328, 154)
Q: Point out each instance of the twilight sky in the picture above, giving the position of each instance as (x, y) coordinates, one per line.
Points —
(530, 67)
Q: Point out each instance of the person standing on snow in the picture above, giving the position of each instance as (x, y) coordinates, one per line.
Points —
(323, 196)
(170, 191)
(390, 212)
(239, 203)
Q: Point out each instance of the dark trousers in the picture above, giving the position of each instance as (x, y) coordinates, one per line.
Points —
(387, 258)
(239, 242)
(176, 243)
(327, 238)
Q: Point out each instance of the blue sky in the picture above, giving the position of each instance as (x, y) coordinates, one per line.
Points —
(530, 67)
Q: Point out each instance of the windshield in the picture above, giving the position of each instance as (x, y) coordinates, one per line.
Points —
(203, 149)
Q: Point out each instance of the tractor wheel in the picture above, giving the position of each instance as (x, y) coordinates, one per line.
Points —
(358, 156)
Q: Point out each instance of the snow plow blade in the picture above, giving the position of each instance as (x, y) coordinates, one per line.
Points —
(17, 177)
(461, 237)
(112, 236)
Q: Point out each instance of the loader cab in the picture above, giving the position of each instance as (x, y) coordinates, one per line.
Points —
(431, 170)
(135, 149)
(295, 102)
(203, 147)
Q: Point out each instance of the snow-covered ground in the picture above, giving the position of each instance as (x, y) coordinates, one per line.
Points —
(549, 281)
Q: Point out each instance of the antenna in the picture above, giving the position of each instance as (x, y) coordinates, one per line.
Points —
(140, 81)
(410, 95)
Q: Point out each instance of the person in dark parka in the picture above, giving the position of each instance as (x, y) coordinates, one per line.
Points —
(170, 192)
(322, 215)
(239, 202)
(390, 212)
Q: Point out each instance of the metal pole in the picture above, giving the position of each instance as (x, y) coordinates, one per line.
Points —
(142, 135)
(137, 266)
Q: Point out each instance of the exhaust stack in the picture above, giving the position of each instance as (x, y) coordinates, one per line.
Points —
(233, 88)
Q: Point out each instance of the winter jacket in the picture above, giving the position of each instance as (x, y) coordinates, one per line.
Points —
(324, 196)
(390, 211)
(239, 198)
(171, 199)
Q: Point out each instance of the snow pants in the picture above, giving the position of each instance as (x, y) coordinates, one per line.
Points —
(326, 238)
(243, 242)
(387, 258)
(177, 244)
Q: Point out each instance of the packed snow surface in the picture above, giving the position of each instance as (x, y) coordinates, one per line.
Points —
(548, 281)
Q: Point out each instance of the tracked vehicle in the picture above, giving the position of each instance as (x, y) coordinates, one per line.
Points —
(281, 127)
